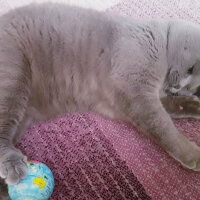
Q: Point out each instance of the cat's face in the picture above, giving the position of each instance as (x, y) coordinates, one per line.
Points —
(183, 59)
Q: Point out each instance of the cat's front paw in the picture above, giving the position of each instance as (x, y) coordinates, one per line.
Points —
(13, 166)
(193, 162)
(190, 157)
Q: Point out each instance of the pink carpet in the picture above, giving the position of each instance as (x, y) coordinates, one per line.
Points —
(95, 158)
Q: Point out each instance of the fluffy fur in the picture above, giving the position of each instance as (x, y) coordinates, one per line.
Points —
(56, 59)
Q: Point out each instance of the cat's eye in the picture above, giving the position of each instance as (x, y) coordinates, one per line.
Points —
(190, 70)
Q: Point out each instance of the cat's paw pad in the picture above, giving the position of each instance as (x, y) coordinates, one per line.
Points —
(13, 166)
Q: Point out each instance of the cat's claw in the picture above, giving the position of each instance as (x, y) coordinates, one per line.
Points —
(13, 166)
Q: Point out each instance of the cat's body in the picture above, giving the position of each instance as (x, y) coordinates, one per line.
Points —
(71, 57)
(56, 59)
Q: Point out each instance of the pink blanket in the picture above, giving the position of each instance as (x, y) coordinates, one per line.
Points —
(96, 158)
(82, 158)
(86, 153)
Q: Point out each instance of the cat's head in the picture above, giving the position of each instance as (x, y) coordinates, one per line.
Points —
(183, 52)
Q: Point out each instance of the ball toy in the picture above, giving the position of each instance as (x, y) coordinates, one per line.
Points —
(38, 185)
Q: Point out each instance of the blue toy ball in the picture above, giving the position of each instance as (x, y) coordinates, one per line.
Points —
(38, 185)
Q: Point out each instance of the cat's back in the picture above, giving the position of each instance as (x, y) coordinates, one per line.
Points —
(51, 13)
(56, 27)
(55, 16)
(68, 49)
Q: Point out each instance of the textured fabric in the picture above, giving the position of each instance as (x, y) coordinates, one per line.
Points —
(162, 177)
(84, 163)
(163, 9)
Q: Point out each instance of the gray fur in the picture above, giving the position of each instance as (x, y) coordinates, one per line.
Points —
(57, 59)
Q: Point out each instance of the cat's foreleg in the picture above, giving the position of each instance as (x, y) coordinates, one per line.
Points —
(14, 88)
(150, 116)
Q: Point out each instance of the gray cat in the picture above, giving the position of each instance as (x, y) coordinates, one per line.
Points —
(57, 59)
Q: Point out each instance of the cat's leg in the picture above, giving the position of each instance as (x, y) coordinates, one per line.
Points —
(149, 115)
(23, 125)
(14, 92)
